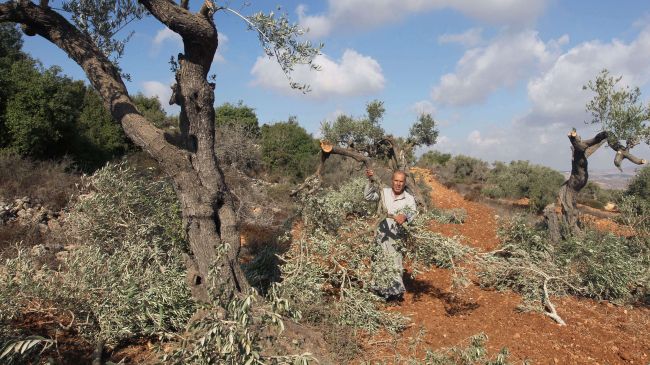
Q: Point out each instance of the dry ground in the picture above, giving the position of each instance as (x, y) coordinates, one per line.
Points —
(596, 332)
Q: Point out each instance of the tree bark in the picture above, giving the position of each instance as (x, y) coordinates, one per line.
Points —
(206, 203)
(563, 218)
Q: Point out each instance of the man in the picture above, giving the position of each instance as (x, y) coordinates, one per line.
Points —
(399, 207)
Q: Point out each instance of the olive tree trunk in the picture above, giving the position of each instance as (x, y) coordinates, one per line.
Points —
(563, 217)
(206, 203)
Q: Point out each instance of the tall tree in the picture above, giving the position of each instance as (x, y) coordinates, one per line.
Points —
(623, 121)
(207, 205)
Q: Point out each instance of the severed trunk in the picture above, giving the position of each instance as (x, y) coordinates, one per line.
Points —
(563, 217)
(207, 206)
(398, 162)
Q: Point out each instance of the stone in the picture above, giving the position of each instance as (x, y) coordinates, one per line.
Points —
(38, 250)
(53, 224)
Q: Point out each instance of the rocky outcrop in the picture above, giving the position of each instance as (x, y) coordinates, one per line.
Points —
(25, 211)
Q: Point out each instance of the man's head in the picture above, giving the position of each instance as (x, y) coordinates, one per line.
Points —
(399, 182)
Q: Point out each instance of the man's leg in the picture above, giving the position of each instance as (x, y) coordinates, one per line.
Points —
(396, 287)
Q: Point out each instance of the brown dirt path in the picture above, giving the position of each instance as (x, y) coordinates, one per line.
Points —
(596, 332)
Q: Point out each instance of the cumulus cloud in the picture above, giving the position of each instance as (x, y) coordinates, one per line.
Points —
(557, 95)
(354, 74)
(423, 107)
(468, 38)
(481, 71)
(169, 39)
(476, 139)
(165, 36)
(365, 14)
(161, 91)
(223, 44)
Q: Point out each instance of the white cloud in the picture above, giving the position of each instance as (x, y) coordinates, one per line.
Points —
(165, 36)
(364, 14)
(317, 26)
(468, 38)
(353, 74)
(161, 91)
(423, 107)
(557, 95)
(476, 139)
(510, 57)
(170, 39)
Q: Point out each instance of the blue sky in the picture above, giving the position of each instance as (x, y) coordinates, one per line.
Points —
(503, 78)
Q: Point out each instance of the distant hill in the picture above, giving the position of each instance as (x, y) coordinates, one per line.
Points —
(610, 178)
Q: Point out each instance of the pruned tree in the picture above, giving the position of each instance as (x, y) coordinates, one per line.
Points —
(89, 39)
(365, 141)
(623, 121)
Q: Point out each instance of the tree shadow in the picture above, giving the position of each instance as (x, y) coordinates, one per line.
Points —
(453, 303)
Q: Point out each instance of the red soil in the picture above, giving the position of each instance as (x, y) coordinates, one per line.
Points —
(596, 332)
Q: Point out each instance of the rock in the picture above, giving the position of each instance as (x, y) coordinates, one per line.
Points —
(43, 228)
(53, 224)
(22, 214)
(62, 255)
(38, 250)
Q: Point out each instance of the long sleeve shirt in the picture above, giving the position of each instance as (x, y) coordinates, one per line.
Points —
(403, 203)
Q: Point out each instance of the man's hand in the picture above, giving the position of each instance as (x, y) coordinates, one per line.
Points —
(370, 173)
(400, 219)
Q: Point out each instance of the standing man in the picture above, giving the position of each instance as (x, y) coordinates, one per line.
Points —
(399, 207)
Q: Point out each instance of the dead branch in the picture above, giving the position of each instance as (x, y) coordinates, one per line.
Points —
(549, 307)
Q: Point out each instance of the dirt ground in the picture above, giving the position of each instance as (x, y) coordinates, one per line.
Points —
(596, 332)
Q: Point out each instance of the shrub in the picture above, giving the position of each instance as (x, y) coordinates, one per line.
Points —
(240, 115)
(52, 183)
(236, 146)
(330, 268)
(288, 150)
(433, 158)
(464, 169)
(474, 354)
(595, 265)
(640, 184)
(520, 179)
(596, 197)
(124, 277)
(330, 208)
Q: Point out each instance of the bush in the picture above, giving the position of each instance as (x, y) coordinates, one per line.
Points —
(236, 146)
(240, 115)
(51, 183)
(330, 268)
(520, 179)
(124, 277)
(596, 197)
(464, 169)
(595, 265)
(433, 158)
(288, 151)
(640, 184)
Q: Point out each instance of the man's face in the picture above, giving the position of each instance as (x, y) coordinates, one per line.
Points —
(398, 183)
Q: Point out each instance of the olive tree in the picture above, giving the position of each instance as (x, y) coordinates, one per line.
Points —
(623, 121)
(364, 140)
(88, 38)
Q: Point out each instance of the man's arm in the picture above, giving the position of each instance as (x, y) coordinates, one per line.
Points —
(413, 209)
(370, 192)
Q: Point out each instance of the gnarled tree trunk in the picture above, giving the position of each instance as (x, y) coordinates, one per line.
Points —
(563, 217)
(207, 206)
